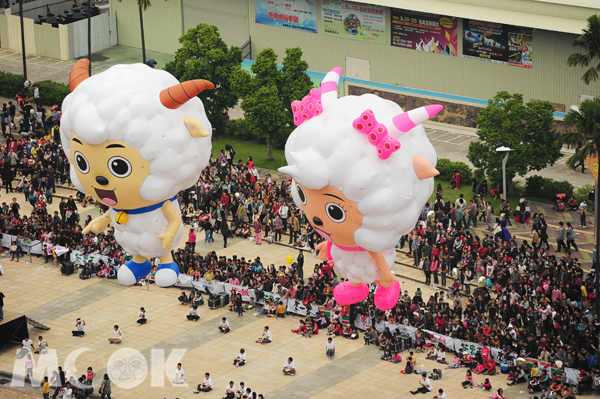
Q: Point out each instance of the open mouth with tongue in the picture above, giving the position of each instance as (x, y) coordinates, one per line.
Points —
(107, 196)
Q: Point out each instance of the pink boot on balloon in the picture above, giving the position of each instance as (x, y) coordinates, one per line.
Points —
(346, 294)
(387, 297)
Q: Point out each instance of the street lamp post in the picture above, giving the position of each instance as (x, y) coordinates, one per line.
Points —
(507, 151)
(23, 41)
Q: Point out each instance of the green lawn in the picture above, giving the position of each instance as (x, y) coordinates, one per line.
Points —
(244, 148)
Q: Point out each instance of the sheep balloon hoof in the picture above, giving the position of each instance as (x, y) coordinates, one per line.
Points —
(167, 275)
(131, 272)
(387, 297)
(347, 294)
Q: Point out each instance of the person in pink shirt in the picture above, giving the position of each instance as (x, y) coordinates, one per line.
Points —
(234, 280)
(556, 294)
(192, 240)
(258, 227)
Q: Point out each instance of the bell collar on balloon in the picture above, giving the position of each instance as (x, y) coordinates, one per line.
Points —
(145, 209)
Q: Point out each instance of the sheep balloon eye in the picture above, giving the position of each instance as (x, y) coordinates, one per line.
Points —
(301, 195)
(335, 212)
(82, 163)
(119, 166)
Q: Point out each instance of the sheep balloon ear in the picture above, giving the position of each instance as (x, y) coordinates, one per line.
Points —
(423, 168)
(195, 127)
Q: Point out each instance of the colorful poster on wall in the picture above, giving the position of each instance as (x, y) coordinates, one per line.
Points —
(291, 14)
(431, 33)
(351, 20)
(499, 43)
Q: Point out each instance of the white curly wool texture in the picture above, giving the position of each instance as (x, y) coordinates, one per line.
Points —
(139, 236)
(122, 103)
(359, 266)
(327, 151)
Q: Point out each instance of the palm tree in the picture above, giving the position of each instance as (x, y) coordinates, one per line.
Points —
(143, 5)
(589, 42)
(586, 119)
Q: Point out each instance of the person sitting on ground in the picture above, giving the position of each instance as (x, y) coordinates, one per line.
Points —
(425, 385)
(224, 325)
(206, 386)
(194, 314)
(42, 346)
(241, 359)
(267, 336)
(410, 364)
(436, 374)
(490, 368)
(179, 375)
(440, 395)
(441, 356)
(534, 385)
(142, 316)
(289, 368)
(468, 380)
(432, 353)
(330, 348)
(347, 331)
(230, 391)
(309, 329)
(111, 274)
(499, 394)
(79, 328)
(334, 328)
(518, 377)
(281, 310)
(487, 385)
(118, 335)
(397, 358)
(183, 298)
(467, 361)
(301, 327)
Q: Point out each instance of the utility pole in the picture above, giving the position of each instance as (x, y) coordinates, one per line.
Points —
(89, 12)
(23, 40)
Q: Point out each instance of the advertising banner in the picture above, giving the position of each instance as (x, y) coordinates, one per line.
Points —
(431, 33)
(351, 20)
(499, 43)
(291, 14)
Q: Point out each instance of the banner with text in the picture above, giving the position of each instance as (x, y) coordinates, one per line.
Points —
(351, 20)
(431, 33)
(499, 43)
(292, 14)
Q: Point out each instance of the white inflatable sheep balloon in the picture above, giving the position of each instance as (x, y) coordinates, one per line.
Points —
(135, 137)
(362, 170)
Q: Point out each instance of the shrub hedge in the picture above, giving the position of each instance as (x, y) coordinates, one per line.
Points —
(542, 187)
(51, 93)
(446, 168)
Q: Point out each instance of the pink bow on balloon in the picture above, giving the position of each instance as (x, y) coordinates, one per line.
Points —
(307, 108)
(377, 134)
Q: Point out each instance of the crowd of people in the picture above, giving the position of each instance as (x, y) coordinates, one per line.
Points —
(533, 303)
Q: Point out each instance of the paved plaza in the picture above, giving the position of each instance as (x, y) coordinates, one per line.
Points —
(39, 291)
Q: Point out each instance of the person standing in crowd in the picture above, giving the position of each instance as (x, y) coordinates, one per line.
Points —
(283, 215)
(224, 231)
(60, 382)
(300, 265)
(582, 214)
(571, 237)
(192, 240)
(105, 389)
(1, 306)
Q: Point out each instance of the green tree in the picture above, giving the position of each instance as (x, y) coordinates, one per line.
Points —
(589, 43)
(586, 118)
(273, 88)
(204, 55)
(143, 5)
(525, 128)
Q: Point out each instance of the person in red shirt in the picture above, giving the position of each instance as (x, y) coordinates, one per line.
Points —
(192, 240)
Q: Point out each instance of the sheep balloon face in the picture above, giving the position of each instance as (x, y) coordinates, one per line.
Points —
(362, 170)
(111, 172)
(135, 137)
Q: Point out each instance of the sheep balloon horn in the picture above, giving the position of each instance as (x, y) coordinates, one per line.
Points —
(135, 137)
(363, 184)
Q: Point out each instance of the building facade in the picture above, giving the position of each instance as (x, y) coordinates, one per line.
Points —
(470, 48)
